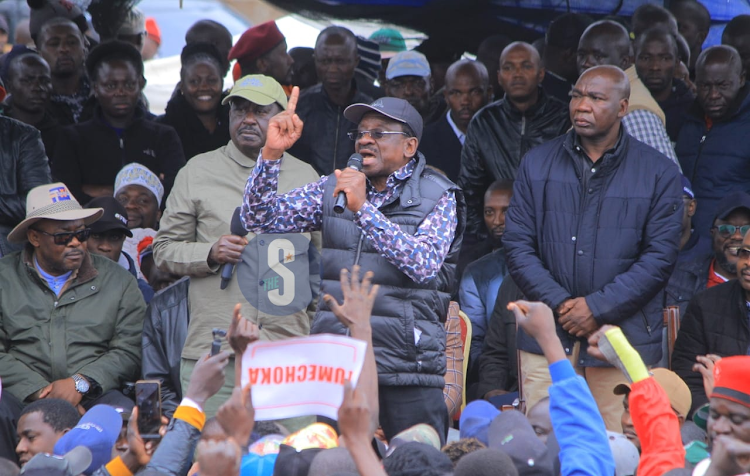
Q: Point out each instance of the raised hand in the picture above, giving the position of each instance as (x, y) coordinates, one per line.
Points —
(593, 348)
(536, 319)
(358, 299)
(705, 367)
(284, 129)
(237, 415)
(207, 377)
(241, 332)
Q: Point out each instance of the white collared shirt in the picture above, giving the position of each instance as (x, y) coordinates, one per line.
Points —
(461, 136)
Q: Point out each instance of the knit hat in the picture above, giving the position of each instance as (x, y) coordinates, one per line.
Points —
(152, 30)
(52, 202)
(369, 58)
(137, 174)
(134, 23)
(732, 379)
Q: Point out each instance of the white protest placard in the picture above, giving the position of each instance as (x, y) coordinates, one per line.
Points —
(301, 376)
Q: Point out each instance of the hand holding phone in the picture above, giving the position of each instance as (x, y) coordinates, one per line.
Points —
(148, 401)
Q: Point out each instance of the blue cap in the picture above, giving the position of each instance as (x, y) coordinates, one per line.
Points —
(97, 430)
(687, 189)
(408, 63)
(256, 465)
(476, 419)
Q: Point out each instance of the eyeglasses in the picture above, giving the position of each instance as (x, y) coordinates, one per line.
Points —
(376, 135)
(64, 238)
(728, 230)
(743, 253)
(111, 236)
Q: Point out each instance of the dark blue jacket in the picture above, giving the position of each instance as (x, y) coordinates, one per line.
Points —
(613, 241)
(717, 161)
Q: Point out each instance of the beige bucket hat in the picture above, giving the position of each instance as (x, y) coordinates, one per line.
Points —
(52, 202)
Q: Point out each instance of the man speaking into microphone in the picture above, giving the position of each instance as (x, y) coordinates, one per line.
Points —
(402, 220)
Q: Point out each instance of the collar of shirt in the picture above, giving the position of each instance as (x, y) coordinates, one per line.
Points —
(397, 178)
(55, 282)
(714, 278)
(461, 136)
(607, 154)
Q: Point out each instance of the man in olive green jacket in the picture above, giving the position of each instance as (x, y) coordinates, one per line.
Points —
(70, 322)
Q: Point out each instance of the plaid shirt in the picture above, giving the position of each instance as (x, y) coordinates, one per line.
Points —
(647, 127)
(418, 256)
(454, 374)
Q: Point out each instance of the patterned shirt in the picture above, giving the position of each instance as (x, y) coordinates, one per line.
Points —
(75, 101)
(647, 127)
(418, 256)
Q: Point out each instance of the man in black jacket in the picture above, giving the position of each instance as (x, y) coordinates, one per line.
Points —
(466, 91)
(716, 322)
(89, 155)
(592, 231)
(324, 143)
(23, 166)
(502, 132)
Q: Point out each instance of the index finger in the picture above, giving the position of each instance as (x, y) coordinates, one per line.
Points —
(236, 316)
(291, 105)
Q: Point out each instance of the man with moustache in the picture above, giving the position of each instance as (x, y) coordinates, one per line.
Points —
(70, 321)
(716, 320)
(593, 231)
(502, 132)
(466, 91)
(403, 221)
(710, 146)
(194, 237)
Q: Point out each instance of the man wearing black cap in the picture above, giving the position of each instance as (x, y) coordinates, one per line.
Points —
(402, 221)
(716, 320)
(108, 236)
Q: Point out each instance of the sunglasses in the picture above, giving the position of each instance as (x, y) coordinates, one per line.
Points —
(376, 135)
(64, 238)
(743, 253)
(728, 230)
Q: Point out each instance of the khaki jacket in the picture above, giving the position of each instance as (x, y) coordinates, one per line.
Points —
(198, 212)
(640, 96)
(93, 328)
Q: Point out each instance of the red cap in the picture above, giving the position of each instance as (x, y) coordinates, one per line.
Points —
(152, 30)
(732, 379)
(256, 42)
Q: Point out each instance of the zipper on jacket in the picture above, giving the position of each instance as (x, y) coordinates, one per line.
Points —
(523, 125)
(645, 321)
(336, 137)
(698, 156)
(122, 143)
(359, 248)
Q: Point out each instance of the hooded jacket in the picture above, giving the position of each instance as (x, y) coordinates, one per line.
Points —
(498, 137)
(612, 238)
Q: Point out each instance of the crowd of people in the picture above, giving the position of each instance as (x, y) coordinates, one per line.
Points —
(545, 248)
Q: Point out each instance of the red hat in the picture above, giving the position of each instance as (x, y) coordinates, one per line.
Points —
(732, 379)
(152, 30)
(256, 42)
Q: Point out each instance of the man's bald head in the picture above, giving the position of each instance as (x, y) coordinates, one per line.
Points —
(467, 67)
(604, 43)
(718, 79)
(614, 75)
(522, 46)
(722, 54)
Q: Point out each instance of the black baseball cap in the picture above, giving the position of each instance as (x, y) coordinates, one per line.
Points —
(730, 203)
(394, 108)
(115, 216)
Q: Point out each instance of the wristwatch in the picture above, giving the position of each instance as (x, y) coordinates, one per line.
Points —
(82, 385)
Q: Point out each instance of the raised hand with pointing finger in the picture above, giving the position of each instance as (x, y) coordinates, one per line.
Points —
(284, 129)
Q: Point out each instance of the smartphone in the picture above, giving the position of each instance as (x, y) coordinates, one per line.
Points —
(148, 401)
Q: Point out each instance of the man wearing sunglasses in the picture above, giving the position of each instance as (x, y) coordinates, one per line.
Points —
(70, 321)
(716, 322)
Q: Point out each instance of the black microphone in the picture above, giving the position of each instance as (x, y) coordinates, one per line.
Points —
(354, 162)
(236, 228)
